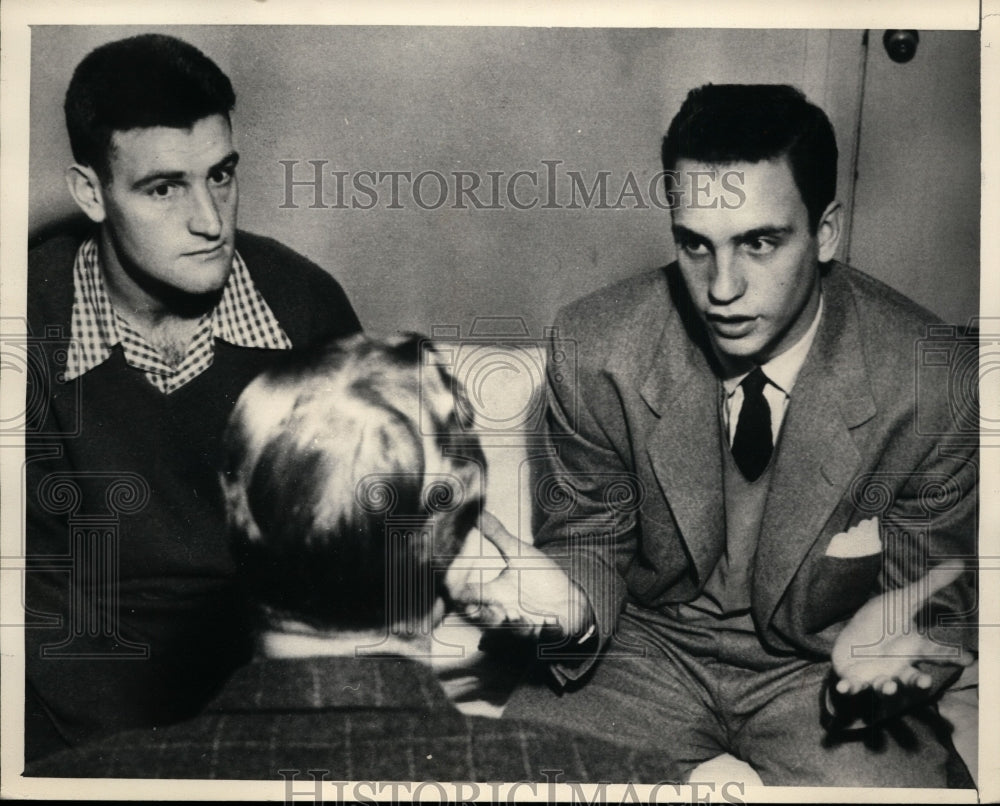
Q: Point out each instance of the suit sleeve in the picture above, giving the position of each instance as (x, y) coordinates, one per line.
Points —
(942, 496)
(586, 496)
(933, 522)
(930, 519)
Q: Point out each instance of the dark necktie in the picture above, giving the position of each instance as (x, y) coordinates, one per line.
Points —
(752, 446)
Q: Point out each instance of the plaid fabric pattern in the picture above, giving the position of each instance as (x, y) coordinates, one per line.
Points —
(140, 354)
(360, 719)
(242, 318)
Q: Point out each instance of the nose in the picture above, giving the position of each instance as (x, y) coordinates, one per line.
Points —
(205, 219)
(727, 281)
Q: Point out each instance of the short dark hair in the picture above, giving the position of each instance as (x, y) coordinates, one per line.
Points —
(350, 482)
(727, 123)
(140, 82)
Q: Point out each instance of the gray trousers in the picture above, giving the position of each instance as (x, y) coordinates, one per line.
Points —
(652, 690)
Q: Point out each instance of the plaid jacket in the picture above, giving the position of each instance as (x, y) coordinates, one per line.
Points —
(358, 718)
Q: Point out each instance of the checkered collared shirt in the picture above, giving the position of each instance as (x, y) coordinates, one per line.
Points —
(242, 317)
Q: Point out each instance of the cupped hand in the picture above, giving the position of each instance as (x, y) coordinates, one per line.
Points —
(531, 594)
(881, 645)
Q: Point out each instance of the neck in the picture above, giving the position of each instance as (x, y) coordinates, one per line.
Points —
(295, 640)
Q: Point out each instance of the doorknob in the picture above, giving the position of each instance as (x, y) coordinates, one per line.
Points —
(901, 45)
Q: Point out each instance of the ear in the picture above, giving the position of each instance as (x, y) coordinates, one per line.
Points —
(85, 188)
(828, 230)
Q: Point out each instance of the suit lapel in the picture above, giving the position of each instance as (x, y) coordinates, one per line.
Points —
(682, 389)
(817, 457)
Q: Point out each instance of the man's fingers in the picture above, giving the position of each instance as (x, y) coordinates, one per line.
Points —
(485, 612)
(491, 603)
(932, 652)
(468, 595)
(497, 534)
(886, 684)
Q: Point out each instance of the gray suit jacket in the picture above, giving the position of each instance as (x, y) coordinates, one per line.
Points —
(631, 501)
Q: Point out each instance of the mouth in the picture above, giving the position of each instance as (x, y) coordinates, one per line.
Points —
(730, 327)
(210, 252)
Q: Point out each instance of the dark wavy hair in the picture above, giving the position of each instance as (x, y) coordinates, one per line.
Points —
(727, 123)
(350, 483)
(139, 82)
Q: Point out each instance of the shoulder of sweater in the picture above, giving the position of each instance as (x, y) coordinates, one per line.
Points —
(271, 262)
(50, 281)
(309, 302)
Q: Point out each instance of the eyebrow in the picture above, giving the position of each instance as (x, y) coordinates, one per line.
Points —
(682, 233)
(229, 161)
(764, 232)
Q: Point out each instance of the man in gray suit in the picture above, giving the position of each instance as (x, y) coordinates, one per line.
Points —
(750, 535)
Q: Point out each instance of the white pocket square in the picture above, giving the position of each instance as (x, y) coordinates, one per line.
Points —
(861, 540)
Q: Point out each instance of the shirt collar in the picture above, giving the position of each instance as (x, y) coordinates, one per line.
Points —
(242, 316)
(783, 370)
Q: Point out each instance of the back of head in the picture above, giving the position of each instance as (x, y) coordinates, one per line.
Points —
(350, 482)
(140, 82)
(729, 123)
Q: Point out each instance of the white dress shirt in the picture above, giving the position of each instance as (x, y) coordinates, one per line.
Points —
(781, 372)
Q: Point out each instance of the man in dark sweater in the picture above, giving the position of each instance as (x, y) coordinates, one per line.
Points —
(145, 333)
(351, 481)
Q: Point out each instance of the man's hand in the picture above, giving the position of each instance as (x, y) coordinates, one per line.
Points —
(531, 594)
(880, 647)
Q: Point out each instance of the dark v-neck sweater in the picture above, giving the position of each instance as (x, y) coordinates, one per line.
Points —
(123, 500)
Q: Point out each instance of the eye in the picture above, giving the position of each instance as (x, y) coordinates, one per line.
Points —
(694, 249)
(760, 246)
(222, 176)
(164, 190)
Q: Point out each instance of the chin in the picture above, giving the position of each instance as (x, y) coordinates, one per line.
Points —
(192, 299)
(739, 349)
(204, 289)
(210, 279)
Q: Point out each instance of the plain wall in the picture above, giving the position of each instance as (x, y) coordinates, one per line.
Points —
(499, 99)
(917, 197)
